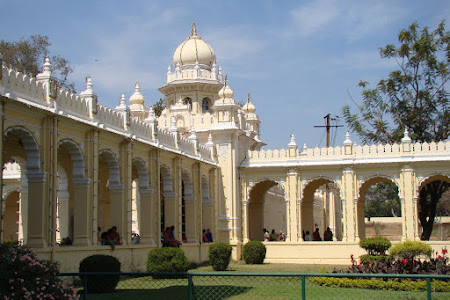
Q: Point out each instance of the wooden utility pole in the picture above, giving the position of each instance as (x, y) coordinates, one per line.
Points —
(328, 126)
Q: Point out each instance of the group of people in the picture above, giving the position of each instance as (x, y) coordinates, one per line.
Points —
(110, 237)
(273, 236)
(327, 235)
(168, 238)
(207, 236)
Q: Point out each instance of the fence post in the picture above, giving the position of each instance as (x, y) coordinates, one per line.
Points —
(190, 287)
(85, 291)
(303, 287)
(428, 288)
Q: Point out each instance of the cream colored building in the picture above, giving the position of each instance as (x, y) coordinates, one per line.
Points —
(72, 165)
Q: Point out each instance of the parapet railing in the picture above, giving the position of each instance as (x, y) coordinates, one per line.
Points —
(21, 87)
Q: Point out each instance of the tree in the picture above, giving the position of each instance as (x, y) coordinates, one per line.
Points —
(382, 201)
(413, 96)
(159, 107)
(28, 55)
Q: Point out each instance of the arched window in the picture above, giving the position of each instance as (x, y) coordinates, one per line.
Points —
(188, 101)
(206, 103)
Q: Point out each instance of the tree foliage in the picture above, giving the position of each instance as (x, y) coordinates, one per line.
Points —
(27, 55)
(382, 201)
(415, 97)
(159, 107)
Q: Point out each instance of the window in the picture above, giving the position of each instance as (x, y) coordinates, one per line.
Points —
(206, 103)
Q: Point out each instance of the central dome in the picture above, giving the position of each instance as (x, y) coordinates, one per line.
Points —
(193, 50)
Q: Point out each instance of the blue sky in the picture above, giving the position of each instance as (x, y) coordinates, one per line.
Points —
(298, 59)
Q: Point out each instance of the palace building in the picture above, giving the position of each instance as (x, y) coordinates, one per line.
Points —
(73, 168)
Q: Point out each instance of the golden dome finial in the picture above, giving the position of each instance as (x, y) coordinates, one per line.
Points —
(194, 30)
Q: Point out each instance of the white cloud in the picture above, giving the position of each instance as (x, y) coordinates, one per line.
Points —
(234, 43)
(315, 16)
(349, 20)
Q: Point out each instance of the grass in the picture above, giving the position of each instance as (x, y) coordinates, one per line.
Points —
(250, 287)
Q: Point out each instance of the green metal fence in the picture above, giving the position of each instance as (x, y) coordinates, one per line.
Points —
(230, 285)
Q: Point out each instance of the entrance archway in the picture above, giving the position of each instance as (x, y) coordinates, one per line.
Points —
(266, 209)
(379, 209)
(321, 208)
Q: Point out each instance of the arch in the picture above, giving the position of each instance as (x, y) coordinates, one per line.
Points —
(76, 155)
(180, 121)
(265, 209)
(429, 195)
(142, 171)
(395, 225)
(187, 181)
(431, 178)
(113, 166)
(206, 104)
(166, 179)
(321, 207)
(187, 101)
(31, 146)
(369, 181)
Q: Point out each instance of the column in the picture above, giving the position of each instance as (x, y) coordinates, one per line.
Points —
(82, 219)
(37, 210)
(116, 207)
(291, 190)
(146, 231)
(348, 179)
(92, 196)
(407, 200)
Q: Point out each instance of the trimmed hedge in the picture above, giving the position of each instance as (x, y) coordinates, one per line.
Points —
(254, 252)
(219, 256)
(100, 263)
(367, 259)
(375, 245)
(410, 249)
(380, 284)
(167, 259)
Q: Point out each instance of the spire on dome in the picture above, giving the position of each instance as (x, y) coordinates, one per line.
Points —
(194, 30)
(226, 80)
(248, 97)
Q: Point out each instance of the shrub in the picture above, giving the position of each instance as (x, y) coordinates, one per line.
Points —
(409, 250)
(167, 259)
(254, 252)
(375, 245)
(367, 259)
(219, 256)
(24, 276)
(100, 263)
(380, 284)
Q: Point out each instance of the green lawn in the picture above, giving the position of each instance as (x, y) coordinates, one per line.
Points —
(250, 287)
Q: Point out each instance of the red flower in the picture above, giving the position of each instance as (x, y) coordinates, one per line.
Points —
(359, 265)
(439, 256)
(444, 251)
(371, 263)
(405, 261)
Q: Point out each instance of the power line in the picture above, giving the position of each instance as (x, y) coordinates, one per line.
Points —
(328, 118)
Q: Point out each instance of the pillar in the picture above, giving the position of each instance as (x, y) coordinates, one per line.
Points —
(349, 208)
(409, 230)
(291, 194)
(37, 210)
(146, 228)
(82, 221)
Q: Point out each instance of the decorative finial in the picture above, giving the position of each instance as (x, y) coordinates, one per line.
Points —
(248, 97)
(406, 138)
(88, 83)
(347, 141)
(226, 80)
(122, 99)
(292, 142)
(194, 30)
(47, 66)
(122, 103)
(210, 142)
(137, 88)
